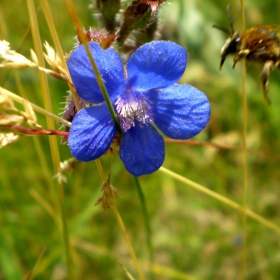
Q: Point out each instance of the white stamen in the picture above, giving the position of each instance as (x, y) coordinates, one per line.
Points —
(131, 109)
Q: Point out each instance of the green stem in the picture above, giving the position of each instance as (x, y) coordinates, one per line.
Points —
(51, 25)
(127, 240)
(245, 158)
(146, 219)
(51, 125)
(100, 82)
(223, 199)
(102, 88)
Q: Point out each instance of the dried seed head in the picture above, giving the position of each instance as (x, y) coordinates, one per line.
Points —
(139, 16)
(54, 61)
(12, 59)
(7, 138)
(108, 197)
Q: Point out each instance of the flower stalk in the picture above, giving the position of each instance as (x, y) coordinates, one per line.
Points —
(22, 130)
(100, 82)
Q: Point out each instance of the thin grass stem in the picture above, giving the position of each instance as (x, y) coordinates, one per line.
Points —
(223, 199)
(146, 219)
(245, 156)
(3, 29)
(51, 125)
(51, 25)
(127, 240)
(35, 107)
(122, 227)
(37, 144)
(100, 82)
(30, 275)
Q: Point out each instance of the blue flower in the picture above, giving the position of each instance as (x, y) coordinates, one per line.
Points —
(146, 98)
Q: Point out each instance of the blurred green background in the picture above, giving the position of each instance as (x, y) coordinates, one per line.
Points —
(194, 236)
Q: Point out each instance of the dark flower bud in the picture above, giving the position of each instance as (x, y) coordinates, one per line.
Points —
(138, 16)
(108, 10)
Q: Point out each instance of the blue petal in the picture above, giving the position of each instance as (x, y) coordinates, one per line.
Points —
(180, 111)
(110, 67)
(91, 133)
(142, 150)
(158, 64)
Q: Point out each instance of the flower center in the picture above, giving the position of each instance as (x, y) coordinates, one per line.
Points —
(132, 108)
